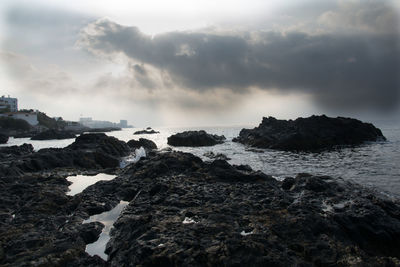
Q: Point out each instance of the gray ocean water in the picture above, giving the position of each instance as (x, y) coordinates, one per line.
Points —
(375, 165)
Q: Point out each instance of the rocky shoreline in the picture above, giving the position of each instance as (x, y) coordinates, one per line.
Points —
(183, 211)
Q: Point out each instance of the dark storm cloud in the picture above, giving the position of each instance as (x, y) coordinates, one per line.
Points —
(342, 71)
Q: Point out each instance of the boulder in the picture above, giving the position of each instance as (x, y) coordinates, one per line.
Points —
(309, 134)
(102, 143)
(53, 134)
(3, 139)
(195, 139)
(145, 143)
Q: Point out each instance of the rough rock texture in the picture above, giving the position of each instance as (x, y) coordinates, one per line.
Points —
(145, 143)
(3, 139)
(147, 131)
(53, 134)
(189, 213)
(313, 133)
(195, 138)
(102, 143)
(186, 212)
(88, 152)
(13, 151)
(212, 155)
(41, 226)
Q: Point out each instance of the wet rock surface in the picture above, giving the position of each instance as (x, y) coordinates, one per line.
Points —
(186, 212)
(195, 139)
(142, 142)
(53, 134)
(212, 155)
(3, 139)
(309, 134)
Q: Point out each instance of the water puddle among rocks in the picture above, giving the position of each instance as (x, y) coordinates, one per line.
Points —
(107, 218)
(80, 182)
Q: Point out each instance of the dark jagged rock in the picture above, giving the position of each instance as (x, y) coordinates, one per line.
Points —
(100, 142)
(309, 134)
(186, 212)
(195, 138)
(212, 155)
(145, 143)
(53, 134)
(38, 225)
(147, 131)
(88, 152)
(12, 151)
(3, 139)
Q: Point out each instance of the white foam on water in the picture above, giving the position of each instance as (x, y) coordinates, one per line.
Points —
(139, 153)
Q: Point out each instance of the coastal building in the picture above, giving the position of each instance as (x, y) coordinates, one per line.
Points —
(8, 104)
(123, 124)
(89, 122)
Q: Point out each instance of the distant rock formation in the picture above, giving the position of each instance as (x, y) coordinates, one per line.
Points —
(53, 134)
(147, 131)
(195, 139)
(309, 134)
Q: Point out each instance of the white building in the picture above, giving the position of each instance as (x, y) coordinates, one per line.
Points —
(10, 103)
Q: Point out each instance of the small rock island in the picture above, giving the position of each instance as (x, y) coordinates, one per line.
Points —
(314, 133)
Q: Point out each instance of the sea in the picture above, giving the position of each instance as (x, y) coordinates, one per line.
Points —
(375, 165)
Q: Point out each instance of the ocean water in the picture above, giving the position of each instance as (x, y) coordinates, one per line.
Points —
(374, 165)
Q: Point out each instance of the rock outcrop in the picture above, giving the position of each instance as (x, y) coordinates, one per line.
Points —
(189, 213)
(3, 139)
(88, 152)
(195, 139)
(142, 142)
(53, 134)
(309, 134)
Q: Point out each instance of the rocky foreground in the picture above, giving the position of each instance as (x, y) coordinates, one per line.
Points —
(186, 212)
(309, 134)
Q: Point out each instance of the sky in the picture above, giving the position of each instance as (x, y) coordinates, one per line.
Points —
(198, 63)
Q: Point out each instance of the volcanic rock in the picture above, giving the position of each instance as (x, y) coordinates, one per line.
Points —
(12, 151)
(309, 134)
(145, 143)
(186, 212)
(102, 143)
(53, 134)
(195, 139)
(3, 139)
(212, 155)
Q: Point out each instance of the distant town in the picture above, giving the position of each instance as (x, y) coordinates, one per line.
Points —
(9, 109)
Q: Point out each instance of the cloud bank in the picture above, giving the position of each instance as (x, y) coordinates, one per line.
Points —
(338, 70)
